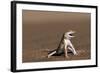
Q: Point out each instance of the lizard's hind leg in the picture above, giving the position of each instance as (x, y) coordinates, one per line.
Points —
(50, 54)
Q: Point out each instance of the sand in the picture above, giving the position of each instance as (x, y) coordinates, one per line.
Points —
(42, 32)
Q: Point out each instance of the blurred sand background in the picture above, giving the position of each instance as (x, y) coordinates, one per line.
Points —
(42, 31)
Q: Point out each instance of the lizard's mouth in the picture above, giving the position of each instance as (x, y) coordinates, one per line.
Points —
(71, 34)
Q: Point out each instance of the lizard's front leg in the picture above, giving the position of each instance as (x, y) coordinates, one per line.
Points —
(65, 48)
(72, 49)
(66, 53)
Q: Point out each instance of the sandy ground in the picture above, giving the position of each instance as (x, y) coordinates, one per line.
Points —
(42, 32)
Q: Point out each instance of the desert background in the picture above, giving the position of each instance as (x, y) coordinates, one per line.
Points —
(42, 32)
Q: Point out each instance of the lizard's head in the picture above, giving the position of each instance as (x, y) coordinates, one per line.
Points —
(69, 34)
